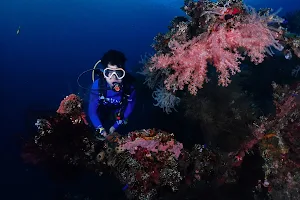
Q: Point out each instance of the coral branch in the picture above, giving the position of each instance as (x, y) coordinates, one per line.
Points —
(72, 106)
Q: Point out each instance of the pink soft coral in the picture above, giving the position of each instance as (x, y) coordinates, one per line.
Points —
(188, 61)
(153, 146)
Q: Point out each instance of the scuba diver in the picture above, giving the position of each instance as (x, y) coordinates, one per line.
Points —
(112, 96)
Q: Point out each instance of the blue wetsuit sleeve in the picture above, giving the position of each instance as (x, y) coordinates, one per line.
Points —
(129, 108)
(93, 105)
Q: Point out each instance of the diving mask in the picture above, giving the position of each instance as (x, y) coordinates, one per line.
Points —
(118, 72)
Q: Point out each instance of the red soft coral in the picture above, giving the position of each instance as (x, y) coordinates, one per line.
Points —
(72, 105)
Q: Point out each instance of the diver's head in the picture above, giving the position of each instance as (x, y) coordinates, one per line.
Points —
(113, 62)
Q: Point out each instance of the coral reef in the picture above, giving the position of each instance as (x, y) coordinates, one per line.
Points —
(146, 161)
(277, 139)
(220, 34)
(149, 161)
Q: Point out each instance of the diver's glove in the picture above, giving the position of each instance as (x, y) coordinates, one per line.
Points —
(100, 133)
(112, 130)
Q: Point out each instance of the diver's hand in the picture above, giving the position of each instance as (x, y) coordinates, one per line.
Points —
(112, 130)
(101, 133)
(104, 133)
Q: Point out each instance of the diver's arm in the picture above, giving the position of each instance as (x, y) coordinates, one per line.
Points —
(93, 106)
(129, 108)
